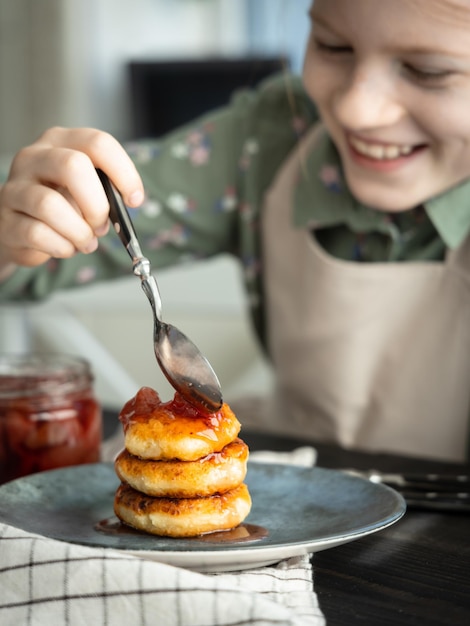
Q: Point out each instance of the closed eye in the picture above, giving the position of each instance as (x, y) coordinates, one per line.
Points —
(331, 49)
(427, 76)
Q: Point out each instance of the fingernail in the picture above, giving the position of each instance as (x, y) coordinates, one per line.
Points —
(102, 230)
(136, 198)
(92, 246)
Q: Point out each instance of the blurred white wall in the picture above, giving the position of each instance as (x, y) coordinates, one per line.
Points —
(64, 62)
(278, 26)
(119, 30)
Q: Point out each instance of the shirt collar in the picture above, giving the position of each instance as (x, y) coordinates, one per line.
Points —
(322, 198)
(450, 214)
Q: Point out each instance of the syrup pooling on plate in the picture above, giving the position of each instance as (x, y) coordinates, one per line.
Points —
(244, 533)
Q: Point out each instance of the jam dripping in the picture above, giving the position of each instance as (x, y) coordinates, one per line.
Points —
(147, 403)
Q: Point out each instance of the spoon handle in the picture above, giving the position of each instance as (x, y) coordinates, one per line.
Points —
(150, 288)
(120, 219)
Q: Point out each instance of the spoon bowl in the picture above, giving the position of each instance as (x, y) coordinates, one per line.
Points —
(185, 368)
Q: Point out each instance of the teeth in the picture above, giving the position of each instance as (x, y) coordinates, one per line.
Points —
(392, 152)
(378, 151)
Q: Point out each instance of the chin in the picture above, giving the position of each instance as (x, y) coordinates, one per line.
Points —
(391, 206)
(384, 199)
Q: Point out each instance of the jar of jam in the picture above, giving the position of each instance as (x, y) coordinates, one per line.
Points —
(49, 416)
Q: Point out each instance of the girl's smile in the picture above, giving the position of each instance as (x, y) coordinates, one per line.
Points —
(380, 156)
(378, 151)
(391, 81)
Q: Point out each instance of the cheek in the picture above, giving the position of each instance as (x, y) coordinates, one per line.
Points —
(448, 129)
(312, 73)
(322, 81)
(442, 116)
(315, 81)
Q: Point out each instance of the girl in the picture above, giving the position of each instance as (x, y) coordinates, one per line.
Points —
(346, 199)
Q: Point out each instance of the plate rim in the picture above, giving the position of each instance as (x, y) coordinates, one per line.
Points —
(226, 557)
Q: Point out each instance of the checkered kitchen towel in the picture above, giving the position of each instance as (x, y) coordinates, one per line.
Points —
(45, 582)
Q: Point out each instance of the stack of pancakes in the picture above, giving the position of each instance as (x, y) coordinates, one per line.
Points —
(181, 471)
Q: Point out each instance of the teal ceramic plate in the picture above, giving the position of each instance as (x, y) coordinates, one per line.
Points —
(295, 511)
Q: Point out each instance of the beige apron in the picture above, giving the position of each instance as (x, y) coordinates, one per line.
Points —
(373, 356)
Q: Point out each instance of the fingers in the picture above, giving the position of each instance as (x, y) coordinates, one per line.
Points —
(104, 152)
(74, 178)
(44, 219)
(53, 203)
(67, 158)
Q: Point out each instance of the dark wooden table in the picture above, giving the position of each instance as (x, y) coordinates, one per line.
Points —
(417, 572)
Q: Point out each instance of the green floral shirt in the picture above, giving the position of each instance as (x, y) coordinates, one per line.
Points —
(205, 185)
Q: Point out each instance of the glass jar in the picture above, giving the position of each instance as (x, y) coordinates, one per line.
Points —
(49, 416)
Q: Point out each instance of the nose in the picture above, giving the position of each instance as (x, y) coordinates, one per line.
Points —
(369, 99)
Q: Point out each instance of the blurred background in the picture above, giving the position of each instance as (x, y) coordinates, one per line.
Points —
(105, 63)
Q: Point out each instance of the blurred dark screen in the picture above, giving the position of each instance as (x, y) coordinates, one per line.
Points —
(167, 94)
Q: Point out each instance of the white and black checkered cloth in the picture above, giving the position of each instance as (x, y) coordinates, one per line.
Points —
(49, 582)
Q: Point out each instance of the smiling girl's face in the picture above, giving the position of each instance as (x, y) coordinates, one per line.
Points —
(391, 80)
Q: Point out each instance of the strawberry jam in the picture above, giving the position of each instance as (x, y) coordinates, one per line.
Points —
(49, 417)
(147, 403)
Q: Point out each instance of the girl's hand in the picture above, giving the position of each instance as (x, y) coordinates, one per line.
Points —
(53, 203)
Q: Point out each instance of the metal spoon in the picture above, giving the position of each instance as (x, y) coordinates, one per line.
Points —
(186, 369)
